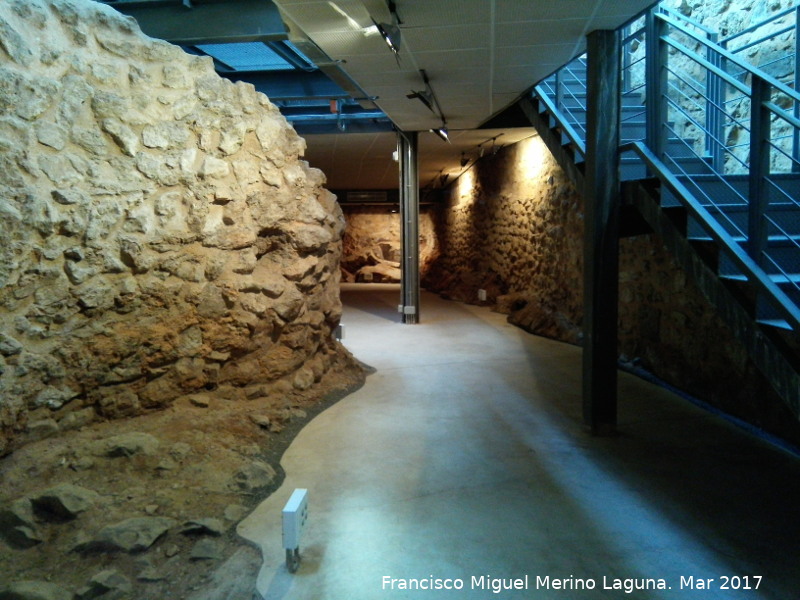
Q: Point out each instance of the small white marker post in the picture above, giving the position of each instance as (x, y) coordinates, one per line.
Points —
(295, 515)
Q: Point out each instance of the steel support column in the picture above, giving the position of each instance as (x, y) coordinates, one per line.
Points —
(601, 227)
(757, 229)
(409, 213)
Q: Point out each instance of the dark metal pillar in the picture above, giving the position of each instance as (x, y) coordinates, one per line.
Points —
(757, 229)
(409, 213)
(601, 241)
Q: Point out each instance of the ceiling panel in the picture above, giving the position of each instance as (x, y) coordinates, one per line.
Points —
(623, 9)
(444, 60)
(351, 42)
(430, 13)
(513, 11)
(513, 56)
(319, 17)
(544, 32)
(447, 37)
(405, 80)
(480, 56)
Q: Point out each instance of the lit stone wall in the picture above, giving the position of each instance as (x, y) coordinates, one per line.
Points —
(372, 242)
(513, 226)
(160, 232)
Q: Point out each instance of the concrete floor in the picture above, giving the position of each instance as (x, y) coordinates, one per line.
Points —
(465, 455)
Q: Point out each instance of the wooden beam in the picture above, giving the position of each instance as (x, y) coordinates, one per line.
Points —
(601, 241)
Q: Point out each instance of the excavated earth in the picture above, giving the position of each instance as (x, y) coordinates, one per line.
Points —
(147, 507)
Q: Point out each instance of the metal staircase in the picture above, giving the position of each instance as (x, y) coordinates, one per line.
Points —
(709, 160)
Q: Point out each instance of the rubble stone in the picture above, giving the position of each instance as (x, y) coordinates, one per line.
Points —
(64, 501)
(132, 180)
(135, 534)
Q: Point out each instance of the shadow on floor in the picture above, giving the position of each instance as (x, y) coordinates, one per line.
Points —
(363, 297)
(736, 493)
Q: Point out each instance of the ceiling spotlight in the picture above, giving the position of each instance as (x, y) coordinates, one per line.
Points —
(442, 133)
(390, 32)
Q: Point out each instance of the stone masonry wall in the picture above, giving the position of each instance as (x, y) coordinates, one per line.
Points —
(513, 226)
(372, 244)
(160, 233)
(515, 232)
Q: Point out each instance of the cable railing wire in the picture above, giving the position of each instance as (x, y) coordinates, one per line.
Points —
(714, 102)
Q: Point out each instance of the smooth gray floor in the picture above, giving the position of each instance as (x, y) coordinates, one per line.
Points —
(465, 455)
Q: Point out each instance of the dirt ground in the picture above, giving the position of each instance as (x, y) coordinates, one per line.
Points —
(214, 460)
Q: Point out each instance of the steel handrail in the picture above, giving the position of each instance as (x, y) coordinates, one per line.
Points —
(789, 311)
(729, 79)
(783, 88)
(569, 131)
(775, 17)
(677, 15)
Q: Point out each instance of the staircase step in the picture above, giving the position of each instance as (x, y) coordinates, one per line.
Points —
(781, 324)
(577, 100)
(791, 279)
(734, 219)
(788, 284)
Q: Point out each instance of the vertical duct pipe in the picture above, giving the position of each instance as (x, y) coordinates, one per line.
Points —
(409, 213)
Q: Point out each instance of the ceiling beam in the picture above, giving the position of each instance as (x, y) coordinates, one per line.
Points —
(208, 22)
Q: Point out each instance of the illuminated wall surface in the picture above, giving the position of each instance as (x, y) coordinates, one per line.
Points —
(371, 244)
(160, 232)
(513, 226)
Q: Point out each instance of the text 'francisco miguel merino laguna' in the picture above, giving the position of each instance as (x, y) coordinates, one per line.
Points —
(497, 584)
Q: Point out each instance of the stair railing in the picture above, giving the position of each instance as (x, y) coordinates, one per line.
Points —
(726, 129)
(764, 285)
(786, 66)
(748, 190)
(564, 93)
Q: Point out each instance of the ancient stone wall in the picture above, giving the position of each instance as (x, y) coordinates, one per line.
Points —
(160, 233)
(514, 231)
(513, 226)
(371, 249)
